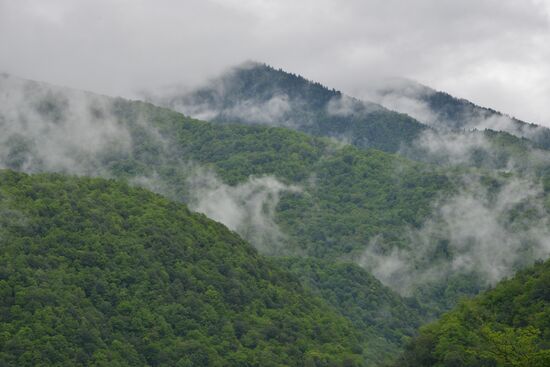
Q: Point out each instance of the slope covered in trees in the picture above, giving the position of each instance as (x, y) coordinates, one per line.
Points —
(256, 93)
(93, 272)
(386, 319)
(506, 326)
(345, 196)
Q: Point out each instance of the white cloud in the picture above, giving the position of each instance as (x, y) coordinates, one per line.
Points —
(55, 129)
(477, 230)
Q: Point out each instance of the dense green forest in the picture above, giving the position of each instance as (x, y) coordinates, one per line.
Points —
(94, 272)
(386, 319)
(165, 147)
(504, 327)
(348, 195)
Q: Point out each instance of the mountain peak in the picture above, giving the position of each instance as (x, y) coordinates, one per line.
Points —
(256, 93)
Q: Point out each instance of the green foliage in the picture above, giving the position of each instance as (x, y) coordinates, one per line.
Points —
(93, 272)
(349, 196)
(506, 326)
(386, 319)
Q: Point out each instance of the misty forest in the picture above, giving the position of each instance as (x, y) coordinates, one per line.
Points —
(260, 218)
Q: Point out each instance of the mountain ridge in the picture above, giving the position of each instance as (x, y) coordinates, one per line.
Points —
(260, 94)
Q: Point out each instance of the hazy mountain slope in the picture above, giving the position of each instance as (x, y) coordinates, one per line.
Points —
(93, 272)
(443, 111)
(259, 94)
(333, 198)
(506, 326)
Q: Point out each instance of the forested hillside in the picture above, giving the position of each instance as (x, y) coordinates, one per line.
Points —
(432, 233)
(264, 183)
(96, 273)
(285, 191)
(506, 326)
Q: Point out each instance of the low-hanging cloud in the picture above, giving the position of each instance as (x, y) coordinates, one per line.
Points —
(247, 208)
(487, 231)
(51, 129)
(403, 96)
(271, 112)
(342, 106)
(472, 149)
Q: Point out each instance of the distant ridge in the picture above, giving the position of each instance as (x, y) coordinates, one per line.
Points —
(255, 93)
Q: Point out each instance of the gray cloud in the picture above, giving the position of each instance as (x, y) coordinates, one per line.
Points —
(410, 97)
(492, 52)
(268, 112)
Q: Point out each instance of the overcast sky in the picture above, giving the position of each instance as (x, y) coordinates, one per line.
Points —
(493, 52)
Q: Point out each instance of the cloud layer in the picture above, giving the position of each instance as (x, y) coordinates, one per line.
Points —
(492, 52)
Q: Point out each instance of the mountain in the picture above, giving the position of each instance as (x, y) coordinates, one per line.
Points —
(289, 193)
(258, 94)
(94, 272)
(432, 233)
(506, 326)
(443, 111)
